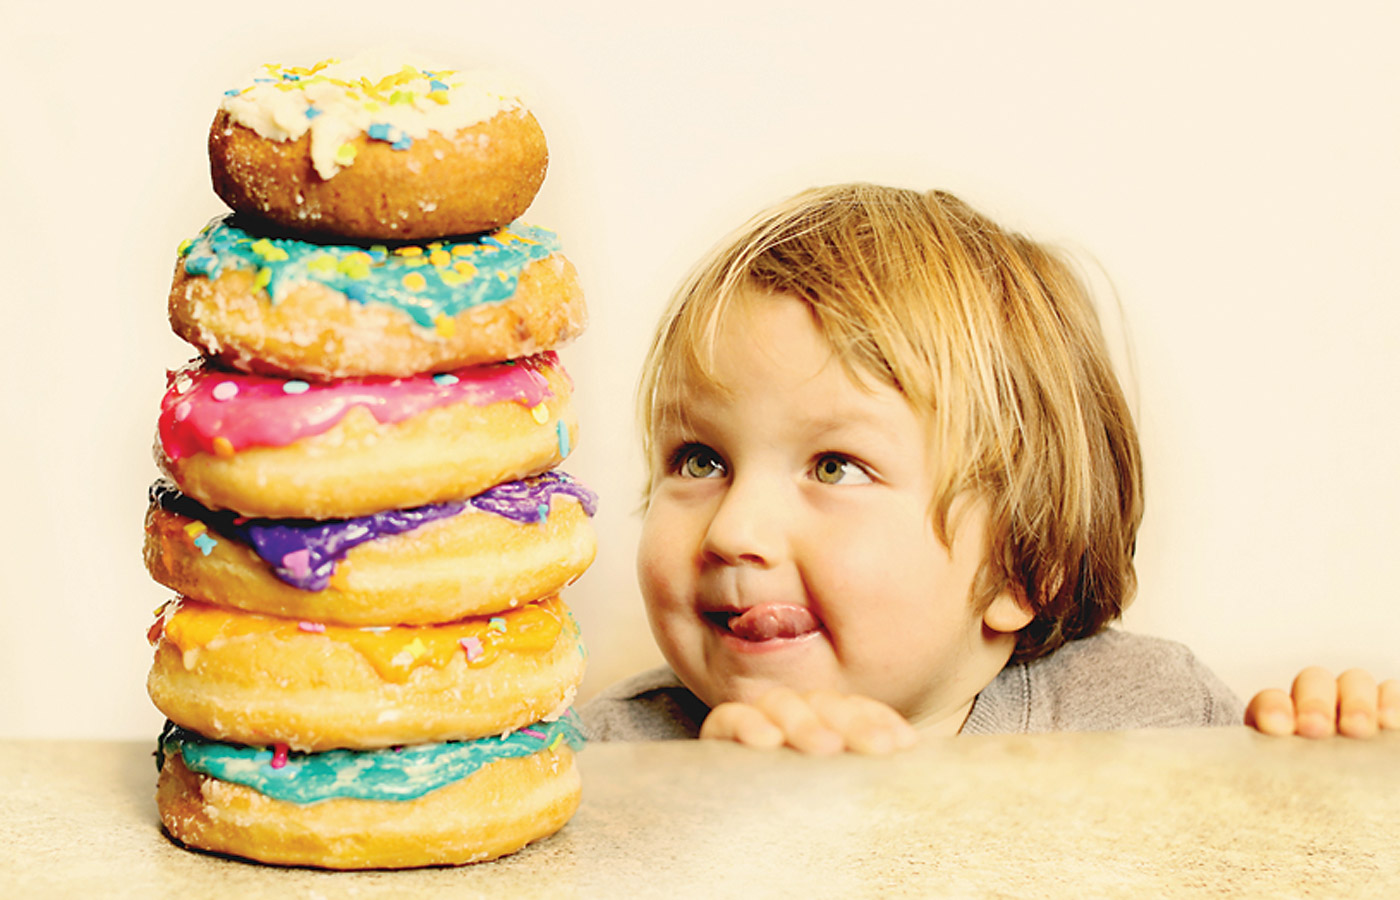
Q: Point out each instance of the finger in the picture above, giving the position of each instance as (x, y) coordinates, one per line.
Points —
(866, 725)
(743, 724)
(1315, 700)
(802, 728)
(1357, 700)
(1271, 712)
(1389, 706)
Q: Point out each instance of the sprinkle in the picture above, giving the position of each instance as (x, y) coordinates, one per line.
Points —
(298, 562)
(416, 648)
(183, 410)
(540, 413)
(345, 154)
(440, 258)
(295, 386)
(473, 647)
(225, 390)
(355, 265)
(554, 744)
(311, 627)
(195, 529)
(415, 281)
(379, 131)
(463, 249)
(378, 252)
(446, 379)
(205, 543)
(563, 437)
(262, 279)
(312, 112)
(497, 624)
(403, 143)
(537, 735)
(435, 85)
(268, 250)
(322, 264)
(223, 447)
(408, 250)
(542, 511)
(400, 97)
(445, 325)
(279, 755)
(375, 629)
(185, 246)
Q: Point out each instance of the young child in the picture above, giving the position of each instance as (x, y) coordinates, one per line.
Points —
(894, 485)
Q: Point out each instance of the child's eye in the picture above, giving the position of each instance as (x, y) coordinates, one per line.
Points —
(697, 461)
(833, 468)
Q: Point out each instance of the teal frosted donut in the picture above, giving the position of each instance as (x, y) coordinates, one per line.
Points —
(272, 304)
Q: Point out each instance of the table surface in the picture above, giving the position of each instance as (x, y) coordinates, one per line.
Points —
(1220, 812)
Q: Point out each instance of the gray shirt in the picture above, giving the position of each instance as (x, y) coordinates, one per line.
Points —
(1109, 682)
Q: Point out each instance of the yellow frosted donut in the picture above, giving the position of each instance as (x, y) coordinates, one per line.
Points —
(348, 810)
(375, 150)
(252, 679)
(268, 303)
(276, 448)
(508, 545)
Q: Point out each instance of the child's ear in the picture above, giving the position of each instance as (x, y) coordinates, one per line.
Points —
(1008, 613)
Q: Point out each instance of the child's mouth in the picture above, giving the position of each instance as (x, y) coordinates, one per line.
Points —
(767, 622)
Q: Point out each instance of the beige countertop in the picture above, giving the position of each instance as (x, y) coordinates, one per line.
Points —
(1221, 813)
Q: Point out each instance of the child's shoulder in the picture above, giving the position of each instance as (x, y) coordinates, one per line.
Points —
(649, 706)
(1112, 681)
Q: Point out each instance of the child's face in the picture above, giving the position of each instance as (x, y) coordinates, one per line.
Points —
(788, 539)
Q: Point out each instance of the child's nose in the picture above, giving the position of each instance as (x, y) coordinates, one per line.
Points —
(748, 525)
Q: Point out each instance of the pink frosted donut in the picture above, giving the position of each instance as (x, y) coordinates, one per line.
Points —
(277, 448)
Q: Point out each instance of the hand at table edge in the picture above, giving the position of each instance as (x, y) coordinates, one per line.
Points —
(1352, 704)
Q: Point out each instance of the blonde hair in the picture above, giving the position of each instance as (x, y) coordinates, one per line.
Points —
(989, 335)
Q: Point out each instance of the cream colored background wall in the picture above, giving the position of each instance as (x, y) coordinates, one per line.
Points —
(1231, 165)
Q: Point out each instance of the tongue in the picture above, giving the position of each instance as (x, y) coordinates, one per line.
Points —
(772, 621)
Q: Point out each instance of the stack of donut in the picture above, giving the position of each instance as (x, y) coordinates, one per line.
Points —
(367, 663)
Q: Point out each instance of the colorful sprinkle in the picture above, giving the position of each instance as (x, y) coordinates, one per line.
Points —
(345, 154)
(473, 647)
(311, 627)
(225, 390)
(446, 326)
(497, 624)
(205, 543)
(279, 755)
(563, 432)
(415, 281)
(296, 386)
(446, 379)
(222, 447)
(530, 732)
(298, 563)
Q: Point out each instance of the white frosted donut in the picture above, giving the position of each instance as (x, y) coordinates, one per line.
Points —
(274, 448)
(376, 150)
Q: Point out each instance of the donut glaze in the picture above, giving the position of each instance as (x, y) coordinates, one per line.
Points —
(274, 448)
(266, 302)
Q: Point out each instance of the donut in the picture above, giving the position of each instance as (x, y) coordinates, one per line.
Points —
(275, 448)
(429, 804)
(263, 302)
(507, 545)
(361, 149)
(252, 679)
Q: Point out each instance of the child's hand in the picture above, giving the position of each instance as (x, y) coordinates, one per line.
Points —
(819, 722)
(1321, 706)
